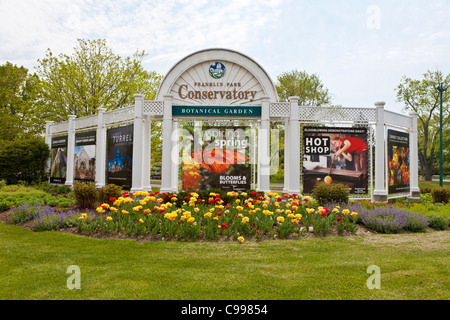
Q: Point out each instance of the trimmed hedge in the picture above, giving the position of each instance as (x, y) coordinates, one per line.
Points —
(330, 193)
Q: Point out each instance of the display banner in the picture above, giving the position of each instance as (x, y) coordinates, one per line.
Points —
(58, 168)
(84, 156)
(398, 161)
(217, 157)
(335, 155)
(119, 156)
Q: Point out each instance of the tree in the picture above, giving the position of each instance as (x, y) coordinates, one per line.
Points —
(92, 77)
(309, 88)
(24, 160)
(421, 96)
(19, 103)
(311, 92)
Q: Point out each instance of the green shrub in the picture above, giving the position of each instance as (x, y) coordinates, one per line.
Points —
(330, 193)
(440, 194)
(52, 203)
(425, 189)
(109, 191)
(24, 160)
(86, 194)
(63, 189)
(438, 222)
(426, 198)
(5, 205)
(64, 203)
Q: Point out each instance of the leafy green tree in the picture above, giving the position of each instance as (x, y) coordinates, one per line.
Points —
(19, 103)
(421, 96)
(24, 160)
(311, 92)
(92, 77)
(308, 87)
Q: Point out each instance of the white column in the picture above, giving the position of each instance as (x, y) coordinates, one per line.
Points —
(48, 141)
(413, 158)
(70, 151)
(138, 143)
(147, 154)
(264, 147)
(286, 156)
(100, 151)
(294, 148)
(174, 157)
(166, 166)
(380, 194)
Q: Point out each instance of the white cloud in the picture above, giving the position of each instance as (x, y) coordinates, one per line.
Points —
(330, 38)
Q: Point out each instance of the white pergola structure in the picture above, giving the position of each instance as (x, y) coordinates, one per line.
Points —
(244, 84)
(241, 91)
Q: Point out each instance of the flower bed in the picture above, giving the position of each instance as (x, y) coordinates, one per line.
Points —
(389, 219)
(218, 215)
(241, 216)
(43, 217)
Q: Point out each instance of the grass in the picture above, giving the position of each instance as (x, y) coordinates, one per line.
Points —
(34, 266)
(433, 184)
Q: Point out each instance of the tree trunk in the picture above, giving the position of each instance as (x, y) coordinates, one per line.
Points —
(426, 164)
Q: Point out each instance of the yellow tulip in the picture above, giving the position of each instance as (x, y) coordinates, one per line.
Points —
(207, 215)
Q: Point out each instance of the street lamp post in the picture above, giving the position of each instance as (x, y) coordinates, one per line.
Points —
(441, 90)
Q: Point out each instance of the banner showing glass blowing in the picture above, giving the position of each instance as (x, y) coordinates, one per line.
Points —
(398, 161)
(335, 155)
(58, 166)
(84, 157)
(119, 155)
(216, 157)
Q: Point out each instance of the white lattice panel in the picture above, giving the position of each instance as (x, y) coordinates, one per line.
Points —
(119, 115)
(280, 109)
(396, 119)
(59, 127)
(153, 108)
(337, 114)
(86, 122)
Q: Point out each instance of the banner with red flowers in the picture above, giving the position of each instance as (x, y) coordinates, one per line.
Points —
(217, 157)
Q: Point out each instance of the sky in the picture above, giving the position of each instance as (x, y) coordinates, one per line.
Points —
(359, 49)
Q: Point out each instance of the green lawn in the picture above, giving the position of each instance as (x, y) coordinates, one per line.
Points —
(34, 265)
(433, 184)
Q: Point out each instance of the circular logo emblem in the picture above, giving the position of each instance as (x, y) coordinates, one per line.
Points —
(217, 70)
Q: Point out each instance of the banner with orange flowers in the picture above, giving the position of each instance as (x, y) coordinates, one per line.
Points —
(218, 157)
(398, 161)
